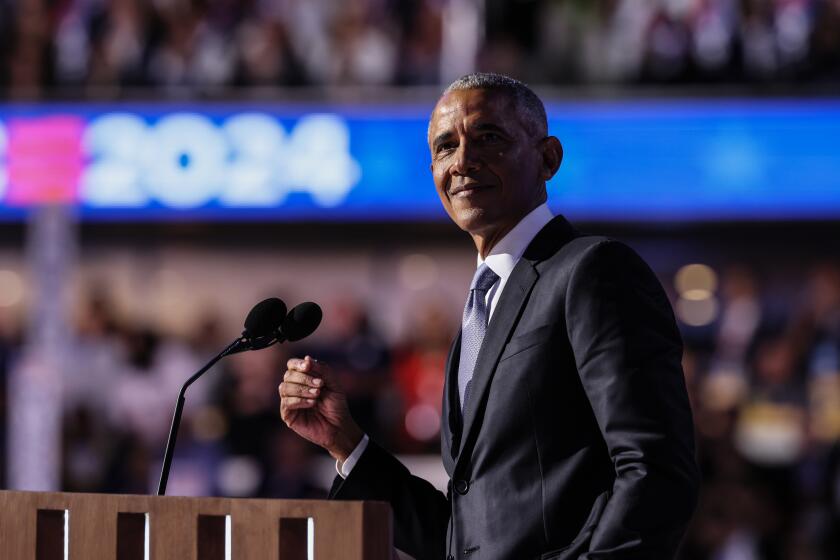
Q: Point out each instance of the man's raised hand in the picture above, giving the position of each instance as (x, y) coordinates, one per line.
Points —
(315, 407)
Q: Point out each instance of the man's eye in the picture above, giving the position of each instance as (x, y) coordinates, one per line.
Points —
(491, 137)
(446, 146)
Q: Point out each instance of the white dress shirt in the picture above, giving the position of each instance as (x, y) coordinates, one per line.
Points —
(501, 260)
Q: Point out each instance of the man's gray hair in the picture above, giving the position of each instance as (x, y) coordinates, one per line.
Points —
(529, 106)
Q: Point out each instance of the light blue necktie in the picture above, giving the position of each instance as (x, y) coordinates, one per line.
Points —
(473, 328)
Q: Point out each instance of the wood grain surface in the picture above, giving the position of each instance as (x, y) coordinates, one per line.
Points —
(109, 527)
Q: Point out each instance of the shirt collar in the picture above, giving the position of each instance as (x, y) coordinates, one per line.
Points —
(506, 253)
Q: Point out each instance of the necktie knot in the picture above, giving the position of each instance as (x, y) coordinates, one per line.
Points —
(484, 278)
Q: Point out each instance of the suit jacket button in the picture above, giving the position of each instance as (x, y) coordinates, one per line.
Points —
(462, 486)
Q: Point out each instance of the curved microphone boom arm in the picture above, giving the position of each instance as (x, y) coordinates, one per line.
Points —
(266, 324)
(262, 329)
(234, 347)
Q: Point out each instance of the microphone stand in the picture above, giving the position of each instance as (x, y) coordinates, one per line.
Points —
(237, 345)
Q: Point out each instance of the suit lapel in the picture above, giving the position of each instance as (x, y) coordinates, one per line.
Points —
(451, 415)
(504, 319)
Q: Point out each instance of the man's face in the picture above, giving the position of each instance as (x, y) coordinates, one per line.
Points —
(489, 169)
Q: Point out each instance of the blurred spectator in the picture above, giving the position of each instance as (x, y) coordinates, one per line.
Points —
(290, 473)
(421, 28)
(361, 360)
(819, 322)
(729, 524)
(418, 372)
(87, 449)
(97, 353)
(825, 41)
(87, 392)
(249, 404)
(740, 320)
(144, 389)
(364, 47)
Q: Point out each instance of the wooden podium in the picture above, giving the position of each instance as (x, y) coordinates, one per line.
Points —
(42, 525)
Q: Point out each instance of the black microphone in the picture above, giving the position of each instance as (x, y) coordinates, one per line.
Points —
(302, 321)
(263, 327)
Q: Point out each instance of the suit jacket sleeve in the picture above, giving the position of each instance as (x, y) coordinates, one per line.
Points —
(421, 512)
(628, 353)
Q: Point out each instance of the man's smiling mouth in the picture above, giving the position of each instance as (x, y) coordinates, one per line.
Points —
(468, 189)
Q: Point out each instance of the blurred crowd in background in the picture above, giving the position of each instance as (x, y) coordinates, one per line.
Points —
(205, 46)
(763, 376)
(764, 381)
(122, 376)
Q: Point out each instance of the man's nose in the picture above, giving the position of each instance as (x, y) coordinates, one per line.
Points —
(466, 160)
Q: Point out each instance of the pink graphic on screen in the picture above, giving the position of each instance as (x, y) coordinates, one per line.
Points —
(45, 160)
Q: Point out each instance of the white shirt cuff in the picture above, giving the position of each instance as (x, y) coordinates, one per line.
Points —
(344, 468)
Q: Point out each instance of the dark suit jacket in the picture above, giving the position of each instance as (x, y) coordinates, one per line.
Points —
(577, 440)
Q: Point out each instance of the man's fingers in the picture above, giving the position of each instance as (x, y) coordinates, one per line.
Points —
(296, 364)
(295, 403)
(317, 368)
(294, 376)
(307, 365)
(311, 367)
(288, 389)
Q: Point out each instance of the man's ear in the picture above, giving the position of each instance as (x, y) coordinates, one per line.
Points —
(552, 155)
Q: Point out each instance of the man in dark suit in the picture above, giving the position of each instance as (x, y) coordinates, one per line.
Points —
(566, 429)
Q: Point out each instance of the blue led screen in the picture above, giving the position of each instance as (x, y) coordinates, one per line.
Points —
(624, 161)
